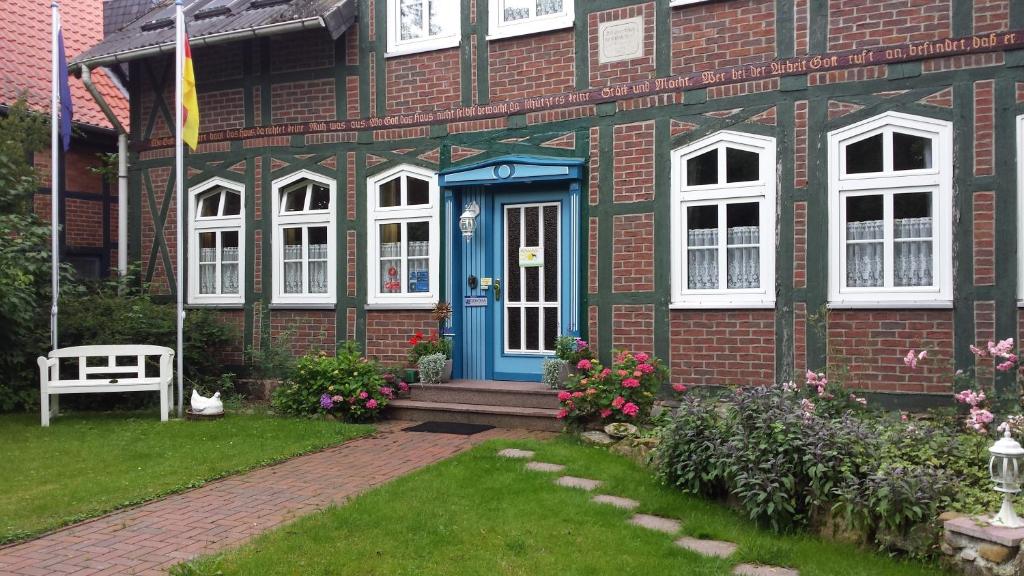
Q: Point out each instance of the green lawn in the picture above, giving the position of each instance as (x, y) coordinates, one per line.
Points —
(480, 514)
(87, 464)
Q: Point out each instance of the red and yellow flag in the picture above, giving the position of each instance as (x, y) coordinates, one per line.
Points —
(189, 101)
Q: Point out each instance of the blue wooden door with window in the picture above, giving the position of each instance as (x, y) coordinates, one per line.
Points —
(529, 263)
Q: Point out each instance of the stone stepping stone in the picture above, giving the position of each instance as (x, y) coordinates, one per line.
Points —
(707, 547)
(760, 570)
(516, 453)
(581, 483)
(624, 503)
(544, 467)
(657, 523)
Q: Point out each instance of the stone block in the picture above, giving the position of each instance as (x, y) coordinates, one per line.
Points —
(707, 547)
(516, 453)
(760, 570)
(656, 523)
(581, 483)
(544, 467)
(597, 437)
(996, 553)
(616, 501)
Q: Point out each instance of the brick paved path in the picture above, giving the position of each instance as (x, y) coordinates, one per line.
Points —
(150, 538)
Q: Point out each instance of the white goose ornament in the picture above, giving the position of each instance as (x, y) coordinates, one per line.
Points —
(206, 406)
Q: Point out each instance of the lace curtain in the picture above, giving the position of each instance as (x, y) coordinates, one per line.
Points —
(317, 268)
(229, 270)
(742, 252)
(912, 248)
(520, 9)
(293, 268)
(207, 271)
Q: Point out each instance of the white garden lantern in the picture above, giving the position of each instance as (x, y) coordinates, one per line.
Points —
(467, 222)
(1005, 469)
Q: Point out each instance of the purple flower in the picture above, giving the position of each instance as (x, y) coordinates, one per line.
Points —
(325, 402)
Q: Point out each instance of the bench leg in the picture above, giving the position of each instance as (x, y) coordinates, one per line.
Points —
(55, 405)
(44, 408)
(164, 403)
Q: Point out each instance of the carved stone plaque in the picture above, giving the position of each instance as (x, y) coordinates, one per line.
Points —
(620, 40)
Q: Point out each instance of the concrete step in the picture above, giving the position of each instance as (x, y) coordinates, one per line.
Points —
(512, 394)
(500, 416)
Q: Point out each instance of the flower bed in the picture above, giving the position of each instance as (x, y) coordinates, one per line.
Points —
(624, 391)
(347, 386)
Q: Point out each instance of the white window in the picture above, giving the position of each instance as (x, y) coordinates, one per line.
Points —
(515, 17)
(421, 25)
(685, 2)
(890, 212)
(304, 239)
(403, 237)
(723, 222)
(216, 243)
(1020, 209)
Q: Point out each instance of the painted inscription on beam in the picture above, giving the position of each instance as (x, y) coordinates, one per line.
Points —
(734, 75)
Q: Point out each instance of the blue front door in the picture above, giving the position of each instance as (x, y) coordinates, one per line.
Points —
(529, 262)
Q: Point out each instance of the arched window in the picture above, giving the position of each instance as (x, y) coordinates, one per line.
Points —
(890, 212)
(723, 222)
(304, 239)
(216, 243)
(403, 236)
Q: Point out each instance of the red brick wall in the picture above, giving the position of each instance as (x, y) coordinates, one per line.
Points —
(305, 50)
(865, 23)
(527, 66)
(714, 35)
(424, 81)
(640, 68)
(388, 333)
(722, 347)
(984, 238)
(234, 353)
(633, 327)
(222, 110)
(217, 63)
(83, 222)
(633, 255)
(872, 343)
(984, 105)
(991, 16)
(800, 244)
(634, 162)
(311, 330)
(304, 101)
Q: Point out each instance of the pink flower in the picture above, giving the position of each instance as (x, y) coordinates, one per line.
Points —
(371, 403)
(584, 365)
(605, 372)
(387, 391)
(337, 399)
(922, 355)
(563, 396)
(606, 412)
(637, 373)
(641, 357)
(630, 409)
(1003, 348)
(858, 399)
(977, 351)
(811, 377)
(363, 395)
(577, 394)
(591, 391)
(789, 386)
(645, 368)
(970, 397)
(402, 386)
(1005, 366)
(911, 359)
(630, 383)
(807, 406)
(903, 417)
(618, 402)
(679, 387)
(623, 373)
(562, 414)
(581, 344)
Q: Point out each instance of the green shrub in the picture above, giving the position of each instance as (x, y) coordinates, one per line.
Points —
(346, 385)
(432, 367)
(554, 369)
(625, 391)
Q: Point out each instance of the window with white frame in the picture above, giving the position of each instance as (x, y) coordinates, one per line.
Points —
(304, 239)
(216, 242)
(420, 25)
(723, 222)
(1020, 209)
(516, 17)
(890, 212)
(403, 237)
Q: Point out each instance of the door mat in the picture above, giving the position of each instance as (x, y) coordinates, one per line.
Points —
(449, 428)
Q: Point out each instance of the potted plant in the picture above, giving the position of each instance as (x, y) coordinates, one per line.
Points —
(572, 349)
(433, 344)
(433, 368)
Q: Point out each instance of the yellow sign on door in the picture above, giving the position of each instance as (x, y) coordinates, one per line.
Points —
(530, 257)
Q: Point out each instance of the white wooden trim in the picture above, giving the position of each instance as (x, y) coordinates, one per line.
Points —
(937, 180)
(304, 219)
(761, 191)
(398, 47)
(402, 214)
(218, 225)
(498, 28)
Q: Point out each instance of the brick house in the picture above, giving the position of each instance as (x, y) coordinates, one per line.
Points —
(89, 203)
(721, 183)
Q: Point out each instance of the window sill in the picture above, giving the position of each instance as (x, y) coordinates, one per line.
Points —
(525, 30)
(215, 305)
(892, 305)
(443, 44)
(303, 306)
(675, 3)
(722, 305)
(400, 306)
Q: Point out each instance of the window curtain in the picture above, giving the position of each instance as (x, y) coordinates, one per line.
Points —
(744, 257)
(864, 260)
(229, 270)
(913, 252)
(702, 258)
(207, 271)
(293, 268)
(318, 268)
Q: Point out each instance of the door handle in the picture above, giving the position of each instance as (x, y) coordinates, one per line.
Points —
(497, 289)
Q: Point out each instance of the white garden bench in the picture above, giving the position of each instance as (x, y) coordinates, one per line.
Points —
(107, 375)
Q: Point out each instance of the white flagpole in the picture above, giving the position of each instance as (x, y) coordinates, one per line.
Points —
(179, 158)
(54, 174)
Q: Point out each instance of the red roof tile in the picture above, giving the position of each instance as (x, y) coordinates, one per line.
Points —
(25, 57)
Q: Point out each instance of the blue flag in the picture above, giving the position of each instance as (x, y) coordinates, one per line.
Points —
(66, 106)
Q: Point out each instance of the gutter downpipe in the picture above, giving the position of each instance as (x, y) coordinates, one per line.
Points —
(224, 37)
(122, 172)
